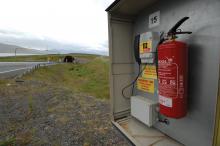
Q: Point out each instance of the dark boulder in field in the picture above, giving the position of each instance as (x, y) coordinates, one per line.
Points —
(69, 59)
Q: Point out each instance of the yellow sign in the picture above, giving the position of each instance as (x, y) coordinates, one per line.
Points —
(146, 85)
(149, 44)
(141, 48)
(145, 47)
(150, 72)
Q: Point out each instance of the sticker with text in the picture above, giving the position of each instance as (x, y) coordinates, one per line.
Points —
(146, 85)
(165, 101)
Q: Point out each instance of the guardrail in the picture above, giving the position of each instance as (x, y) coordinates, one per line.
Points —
(17, 73)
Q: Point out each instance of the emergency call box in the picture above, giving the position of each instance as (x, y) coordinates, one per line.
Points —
(148, 46)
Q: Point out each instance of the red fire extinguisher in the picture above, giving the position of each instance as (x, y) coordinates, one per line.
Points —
(173, 73)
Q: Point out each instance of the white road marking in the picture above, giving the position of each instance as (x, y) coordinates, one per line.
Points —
(15, 70)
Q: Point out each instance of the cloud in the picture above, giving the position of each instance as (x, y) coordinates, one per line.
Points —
(63, 25)
(33, 42)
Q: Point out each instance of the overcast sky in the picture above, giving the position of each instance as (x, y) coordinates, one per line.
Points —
(62, 25)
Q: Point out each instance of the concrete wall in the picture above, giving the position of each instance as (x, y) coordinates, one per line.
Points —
(197, 128)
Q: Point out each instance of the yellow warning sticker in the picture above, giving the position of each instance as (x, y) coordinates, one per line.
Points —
(145, 47)
(141, 48)
(150, 72)
(146, 85)
(149, 44)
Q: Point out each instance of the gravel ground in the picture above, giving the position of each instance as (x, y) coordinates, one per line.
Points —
(33, 113)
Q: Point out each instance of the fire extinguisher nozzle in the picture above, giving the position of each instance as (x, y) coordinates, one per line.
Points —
(165, 121)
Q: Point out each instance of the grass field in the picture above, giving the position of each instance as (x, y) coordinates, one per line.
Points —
(39, 58)
(90, 77)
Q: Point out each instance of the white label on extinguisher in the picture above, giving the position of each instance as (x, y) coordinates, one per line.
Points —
(165, 101)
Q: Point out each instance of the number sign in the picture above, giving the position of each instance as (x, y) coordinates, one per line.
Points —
(154, 19)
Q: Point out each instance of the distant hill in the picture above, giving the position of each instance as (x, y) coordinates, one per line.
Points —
(5, 48)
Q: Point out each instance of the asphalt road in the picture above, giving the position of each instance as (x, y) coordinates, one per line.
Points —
(10, 69)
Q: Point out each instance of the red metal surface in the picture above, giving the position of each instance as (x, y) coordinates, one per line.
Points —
(172, 77)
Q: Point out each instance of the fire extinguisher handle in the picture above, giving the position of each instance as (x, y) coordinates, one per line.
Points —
(177, 25)
(182, 32)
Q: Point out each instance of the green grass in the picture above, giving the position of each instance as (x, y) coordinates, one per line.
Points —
(8, 142)
(39, 58)
(90, 78)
